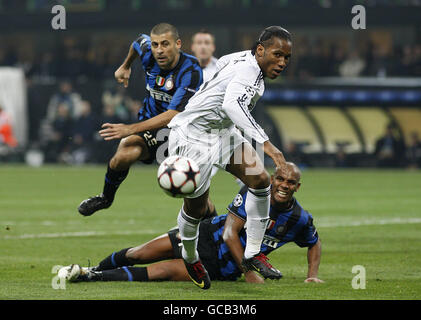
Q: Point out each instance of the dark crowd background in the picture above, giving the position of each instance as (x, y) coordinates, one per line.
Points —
(70, 73)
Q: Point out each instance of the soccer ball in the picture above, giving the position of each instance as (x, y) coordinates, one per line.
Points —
(178, 176)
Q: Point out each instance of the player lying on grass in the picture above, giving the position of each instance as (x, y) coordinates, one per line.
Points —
(221, 242)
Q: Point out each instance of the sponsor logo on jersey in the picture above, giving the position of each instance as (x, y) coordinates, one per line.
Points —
(270, 241)
(159, 95)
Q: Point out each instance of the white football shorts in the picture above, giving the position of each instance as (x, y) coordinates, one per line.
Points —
(208, 150)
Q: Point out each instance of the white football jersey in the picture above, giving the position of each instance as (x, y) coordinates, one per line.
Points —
(225, 100)
(210, 69)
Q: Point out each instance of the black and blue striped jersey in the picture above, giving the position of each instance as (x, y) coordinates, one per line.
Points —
(291, 225)
(166, 89)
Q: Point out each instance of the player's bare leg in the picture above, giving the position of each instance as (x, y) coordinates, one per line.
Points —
(251, 171)
(173, 270)
(130, 150)
(211, 212)
(155, 250)
(118, 265)
(170, 270)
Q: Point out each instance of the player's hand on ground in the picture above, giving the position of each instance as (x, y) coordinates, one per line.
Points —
(112, 131)
(122, 75)
(317, 280)
(252, 277)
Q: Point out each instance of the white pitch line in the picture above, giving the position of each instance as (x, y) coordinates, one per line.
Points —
(77, 234)
(49, 223)
(366, 222)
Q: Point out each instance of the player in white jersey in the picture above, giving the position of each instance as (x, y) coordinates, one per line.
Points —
(203, 47)
(206, 131)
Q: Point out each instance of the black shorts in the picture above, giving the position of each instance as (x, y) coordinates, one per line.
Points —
(206, 247)
(153, 142)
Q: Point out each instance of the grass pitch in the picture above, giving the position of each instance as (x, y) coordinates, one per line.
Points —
(364, 217)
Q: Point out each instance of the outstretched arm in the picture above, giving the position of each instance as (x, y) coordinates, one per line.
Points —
(313, 258)
(232, 227)
(112, 131)
(273, 152)
(240, 95)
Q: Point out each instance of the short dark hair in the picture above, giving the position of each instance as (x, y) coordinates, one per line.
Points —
(205, 31)
(269, 33)
(164, 27)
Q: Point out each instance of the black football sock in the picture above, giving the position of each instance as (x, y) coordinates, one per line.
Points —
(113, 179)
(115, 260)
(125, 274)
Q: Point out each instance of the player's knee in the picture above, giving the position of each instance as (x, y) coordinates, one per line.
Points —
(160, 272)
(132, 254)
(119, 162)
(260, 181)
(197, 207)
(203, 210)
(125, 157)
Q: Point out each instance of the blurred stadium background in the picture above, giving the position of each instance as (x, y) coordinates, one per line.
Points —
(349, 98)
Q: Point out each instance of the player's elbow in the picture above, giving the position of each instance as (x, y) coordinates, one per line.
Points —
(228, 109)
(227, 236)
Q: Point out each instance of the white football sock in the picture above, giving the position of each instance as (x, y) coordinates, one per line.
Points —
(257, 207)
(189, 232)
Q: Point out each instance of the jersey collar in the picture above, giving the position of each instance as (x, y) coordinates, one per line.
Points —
(276, 212)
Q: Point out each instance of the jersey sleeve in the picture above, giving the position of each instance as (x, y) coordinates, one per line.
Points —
(237, 206)
(142, 45)
(238, 97)
(308, 236)
(189, 83)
